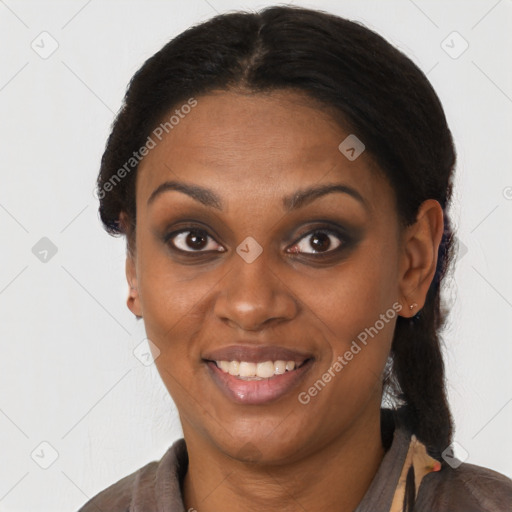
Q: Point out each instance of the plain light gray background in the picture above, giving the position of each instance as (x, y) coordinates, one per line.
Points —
(68, 376)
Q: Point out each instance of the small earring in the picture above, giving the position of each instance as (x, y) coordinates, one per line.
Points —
(412, 306)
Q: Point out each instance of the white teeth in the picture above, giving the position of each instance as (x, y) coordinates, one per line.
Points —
(234, 367)
(247, 369)
(224, 366)
(279, 367)
(263, 370)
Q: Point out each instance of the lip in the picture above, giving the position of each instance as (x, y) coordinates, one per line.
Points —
(258, 354)
(257, 392)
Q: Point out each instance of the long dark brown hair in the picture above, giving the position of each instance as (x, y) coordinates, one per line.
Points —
(373, 89)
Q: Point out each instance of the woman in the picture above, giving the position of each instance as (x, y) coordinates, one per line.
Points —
(283, 180)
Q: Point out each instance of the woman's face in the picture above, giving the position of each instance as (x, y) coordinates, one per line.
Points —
(247, 270)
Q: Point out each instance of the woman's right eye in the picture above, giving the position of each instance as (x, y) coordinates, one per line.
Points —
(193, 240)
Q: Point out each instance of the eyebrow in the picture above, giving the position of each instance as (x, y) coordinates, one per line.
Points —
(201, 194)
(305, 196)
(291, 202)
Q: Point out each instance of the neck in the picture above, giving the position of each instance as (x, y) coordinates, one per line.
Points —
(334, 477)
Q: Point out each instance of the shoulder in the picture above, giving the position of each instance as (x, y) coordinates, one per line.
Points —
(149, 487)
(118, 496)
(467, 488)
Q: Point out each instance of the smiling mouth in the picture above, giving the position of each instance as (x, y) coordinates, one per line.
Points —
(246, 370)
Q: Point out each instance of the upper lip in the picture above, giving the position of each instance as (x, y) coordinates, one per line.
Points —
(256, 354)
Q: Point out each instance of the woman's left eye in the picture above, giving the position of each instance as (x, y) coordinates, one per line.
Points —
(193, 240)
(319, 241)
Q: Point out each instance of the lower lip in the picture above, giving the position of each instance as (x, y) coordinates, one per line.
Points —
(255, 392)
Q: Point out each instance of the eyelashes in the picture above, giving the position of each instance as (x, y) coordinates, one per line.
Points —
(198, 238)
(322, 238)
(318, 242)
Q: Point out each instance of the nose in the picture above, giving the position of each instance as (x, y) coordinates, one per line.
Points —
(254, 296)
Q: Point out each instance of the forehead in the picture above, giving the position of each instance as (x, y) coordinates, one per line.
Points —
(234, 143)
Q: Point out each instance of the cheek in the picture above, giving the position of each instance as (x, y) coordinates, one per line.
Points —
(173, 303)
(357, 321)
(355, 306)
(174, 318)
(352, 295)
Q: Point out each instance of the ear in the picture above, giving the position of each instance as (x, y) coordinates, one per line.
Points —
(420, 245)
(133, 300)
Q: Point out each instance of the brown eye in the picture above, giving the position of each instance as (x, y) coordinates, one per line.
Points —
(193, 240)
(319, 241)
(196, 240)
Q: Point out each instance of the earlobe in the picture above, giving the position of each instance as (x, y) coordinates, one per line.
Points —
(133, 300)
(419, 256)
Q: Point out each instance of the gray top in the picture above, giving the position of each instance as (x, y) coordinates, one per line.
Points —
(156, 487)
